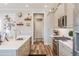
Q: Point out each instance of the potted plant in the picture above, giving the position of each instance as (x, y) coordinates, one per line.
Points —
(70, 33)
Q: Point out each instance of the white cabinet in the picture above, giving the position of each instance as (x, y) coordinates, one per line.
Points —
(64, 10)
(64, 50)
(76, 17)
(69, 13)
(16, 47)
(76, 14)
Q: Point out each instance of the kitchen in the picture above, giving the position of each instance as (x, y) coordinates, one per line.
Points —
(25, 26)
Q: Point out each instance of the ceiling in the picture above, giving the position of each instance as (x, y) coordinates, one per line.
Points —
(26, 5)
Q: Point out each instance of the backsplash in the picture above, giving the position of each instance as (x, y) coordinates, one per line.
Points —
(64, 31)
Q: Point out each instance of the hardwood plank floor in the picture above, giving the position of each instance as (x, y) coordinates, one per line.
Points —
(40, 49)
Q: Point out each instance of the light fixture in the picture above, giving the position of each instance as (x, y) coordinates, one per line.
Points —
(26, 6)
(5, 3)
(50, 10)
(45, 6)
(19, 14)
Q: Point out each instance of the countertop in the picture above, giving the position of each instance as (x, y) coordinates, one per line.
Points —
(54, 36)
(14, 44)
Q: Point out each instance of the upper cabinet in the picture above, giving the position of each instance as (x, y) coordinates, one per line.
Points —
(76, 17)
(63, 17)
(70, 10)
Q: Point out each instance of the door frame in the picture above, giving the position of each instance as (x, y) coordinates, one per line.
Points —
(34, 26)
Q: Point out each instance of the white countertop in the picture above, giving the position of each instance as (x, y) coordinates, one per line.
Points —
(13, 44)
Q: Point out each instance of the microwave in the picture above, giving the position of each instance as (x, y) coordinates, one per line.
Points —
(62, 22)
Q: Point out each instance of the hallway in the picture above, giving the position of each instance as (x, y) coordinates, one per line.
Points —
(39, 49)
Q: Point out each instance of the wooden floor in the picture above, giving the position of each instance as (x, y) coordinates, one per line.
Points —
(40, 49)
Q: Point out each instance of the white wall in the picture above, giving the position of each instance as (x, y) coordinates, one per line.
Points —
(20, 30)
(48, 28)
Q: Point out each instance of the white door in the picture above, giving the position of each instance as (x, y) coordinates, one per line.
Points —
(38, 26)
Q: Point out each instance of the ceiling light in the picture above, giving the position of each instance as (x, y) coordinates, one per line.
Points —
(26, 5)
(5, 3)
(45, 6)
(50, 10)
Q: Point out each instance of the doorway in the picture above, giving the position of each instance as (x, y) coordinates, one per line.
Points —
(38, 27)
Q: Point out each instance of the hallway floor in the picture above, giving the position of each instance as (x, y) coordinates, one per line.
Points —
(39, 49)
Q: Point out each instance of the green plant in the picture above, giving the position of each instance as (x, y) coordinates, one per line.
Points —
(70, 33)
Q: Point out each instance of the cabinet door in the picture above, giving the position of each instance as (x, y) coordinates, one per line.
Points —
(67, 51)
(64, 50)
(61, 49)
(70, 9)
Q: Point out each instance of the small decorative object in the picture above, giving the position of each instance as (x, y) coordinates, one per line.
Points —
(28, 17)
(20, 24)
(27, 24)
(7, 18)
(70, 33)
(56, 32)
(28, 20)
(20, 14)
(19, 39)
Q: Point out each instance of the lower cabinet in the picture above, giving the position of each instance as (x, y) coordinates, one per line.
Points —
(24, 50)
(64, 50)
